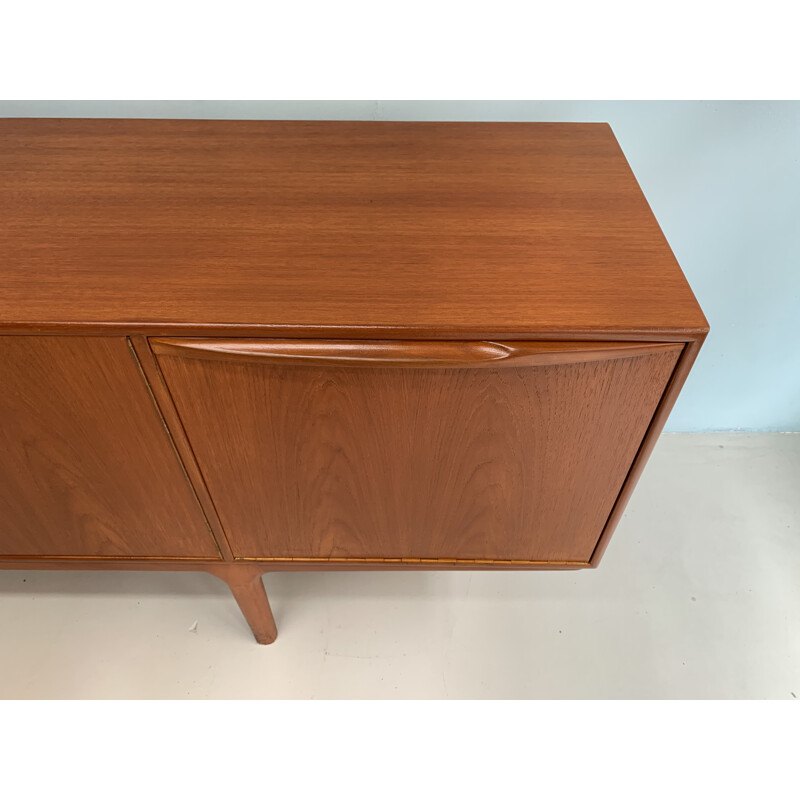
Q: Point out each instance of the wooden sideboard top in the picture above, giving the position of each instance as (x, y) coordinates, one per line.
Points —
(417, 229)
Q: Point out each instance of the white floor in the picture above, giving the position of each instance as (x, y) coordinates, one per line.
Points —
(698, 596)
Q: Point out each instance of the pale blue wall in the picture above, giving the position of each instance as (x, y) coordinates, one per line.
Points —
(723, 179)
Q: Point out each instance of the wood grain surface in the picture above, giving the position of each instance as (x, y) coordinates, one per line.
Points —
(415, 230)
(516, 463)
(421, 355)
(162, 397)
(86, 465)
(326, 346)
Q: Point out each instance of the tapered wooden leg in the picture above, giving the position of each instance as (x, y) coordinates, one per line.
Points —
(248, 589)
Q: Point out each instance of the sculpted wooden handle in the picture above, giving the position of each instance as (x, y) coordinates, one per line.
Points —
(353, 353)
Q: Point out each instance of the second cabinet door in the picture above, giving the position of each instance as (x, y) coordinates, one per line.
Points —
(433, 450)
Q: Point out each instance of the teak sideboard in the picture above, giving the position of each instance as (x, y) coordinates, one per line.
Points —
(250, 346)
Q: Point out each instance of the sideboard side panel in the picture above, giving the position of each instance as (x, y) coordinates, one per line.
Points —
(671, 392)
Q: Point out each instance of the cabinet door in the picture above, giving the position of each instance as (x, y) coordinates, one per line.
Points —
(448, 450)
(86, 465)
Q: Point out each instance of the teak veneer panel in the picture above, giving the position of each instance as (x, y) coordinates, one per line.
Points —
(86, 465)
(252, 346)
(442, 229)
(403, 461)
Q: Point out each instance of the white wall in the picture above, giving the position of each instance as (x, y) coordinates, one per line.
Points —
(723, 179)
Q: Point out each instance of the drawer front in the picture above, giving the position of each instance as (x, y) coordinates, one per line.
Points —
(86, 465)
(414, 450)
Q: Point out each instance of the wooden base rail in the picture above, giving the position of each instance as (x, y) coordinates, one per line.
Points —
(245, 578)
